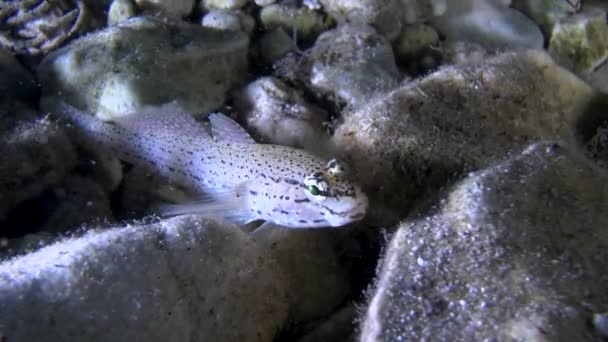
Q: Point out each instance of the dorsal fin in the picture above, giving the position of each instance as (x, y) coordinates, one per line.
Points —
(168, 118)
(225, 129)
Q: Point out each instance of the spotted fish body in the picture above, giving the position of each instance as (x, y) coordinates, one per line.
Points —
(245, 180)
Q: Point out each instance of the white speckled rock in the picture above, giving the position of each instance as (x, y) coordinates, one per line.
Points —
(183, 279)
(458, 118)
(515, 252)
(352, 63)
(177, 8)
(280, 115)
(386, 16)
(488, 23)
(318, 283)
(580, 42)
(146, 61)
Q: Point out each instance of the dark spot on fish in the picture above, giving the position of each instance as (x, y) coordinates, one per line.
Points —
(284, 212)
(318, 221)
(291, 181)
(253, 192)
(302, 221)
(301, 200)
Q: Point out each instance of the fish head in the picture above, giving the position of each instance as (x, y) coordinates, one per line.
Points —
(333, 198)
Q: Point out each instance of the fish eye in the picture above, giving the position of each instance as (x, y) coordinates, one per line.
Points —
(314, 190)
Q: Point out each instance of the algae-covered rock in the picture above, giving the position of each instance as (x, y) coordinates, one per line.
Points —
(413, 39)
(307, 23)
(146, 61)
(580, 42)
(546, 13)
(36, 155)
(352, 63)
(317, 282)
(273, 45)
(514, 252)
(461, 117)
(223, 4)
(386, 16)
(184, 279)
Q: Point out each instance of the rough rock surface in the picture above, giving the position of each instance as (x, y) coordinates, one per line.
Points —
(177, 280)
(515, 252)
(386, 16)
(280, 115)
(146, 61)
(36, 155)
(461, 117)
(352, 63)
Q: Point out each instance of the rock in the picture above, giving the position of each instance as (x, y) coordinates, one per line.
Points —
(353, 63)
(172, 8)
(146, 61)
(182, 279)
(262, 3)
(121, 10)
(413, 39)
(580, 42)
(547, 12)
(597, 146)
(17, 82)
(273, 45)
(489, 24)
(461, 117)
(228, 20)
(280, 115)
(221, 20)
(600, 323)
(338, 327)
(80, 201)
(386, 16)
(317, 281)
(223, 4)
(419, 11)
(307, 23)
(516, 251)
(36, 156)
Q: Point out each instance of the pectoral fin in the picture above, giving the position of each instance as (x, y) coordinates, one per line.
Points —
(225, 129)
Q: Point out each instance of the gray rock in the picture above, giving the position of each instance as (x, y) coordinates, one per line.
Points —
(386, 16)
(547, 12)
(183, 279)
(17, 82)
(146, 61)
(461, 117)
(121, 10)
(172, 8)
(280, 115)
(36, 155)
(221, 20)
(273, 45)
(318, 282)
(488, 23)
(352, 63)
(80, 201)
(515, 252)
(580, 42)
